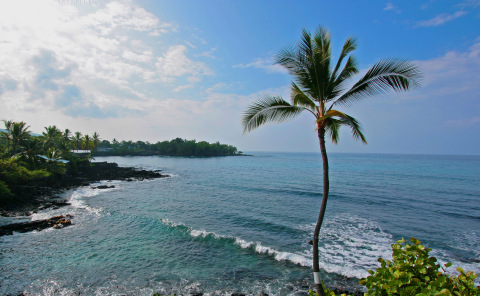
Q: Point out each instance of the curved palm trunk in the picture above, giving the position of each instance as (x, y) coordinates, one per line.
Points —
(316, 268)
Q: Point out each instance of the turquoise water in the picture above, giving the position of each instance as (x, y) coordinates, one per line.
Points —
(242, 224)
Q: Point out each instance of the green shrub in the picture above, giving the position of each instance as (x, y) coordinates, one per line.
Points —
(5, 193)
(414, 272)
(326, 291)
(14, 173)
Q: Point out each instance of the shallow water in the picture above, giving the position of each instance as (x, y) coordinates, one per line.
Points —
(230, 224)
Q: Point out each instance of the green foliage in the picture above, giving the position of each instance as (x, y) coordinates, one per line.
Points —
(175, 147)
(15, 173)
(5, 192)
(327, 293)
(414, 272)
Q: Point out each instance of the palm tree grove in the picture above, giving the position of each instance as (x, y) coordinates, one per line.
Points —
(26, 157)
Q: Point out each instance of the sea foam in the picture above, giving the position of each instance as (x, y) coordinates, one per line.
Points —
(244, 244)
(349, 245)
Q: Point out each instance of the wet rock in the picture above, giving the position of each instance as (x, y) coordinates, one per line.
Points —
(55, 222)
(104, 187)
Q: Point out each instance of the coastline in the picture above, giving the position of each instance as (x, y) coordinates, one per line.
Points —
(44, 194)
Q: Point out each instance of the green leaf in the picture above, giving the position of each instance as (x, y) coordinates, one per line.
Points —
(268, 109)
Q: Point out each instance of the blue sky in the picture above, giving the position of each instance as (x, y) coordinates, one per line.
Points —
(156, 70)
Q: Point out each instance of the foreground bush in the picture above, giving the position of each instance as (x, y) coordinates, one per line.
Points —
(414, 272)
(326, 291)
(13, 175)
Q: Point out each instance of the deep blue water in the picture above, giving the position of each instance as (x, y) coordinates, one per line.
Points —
(230, 224)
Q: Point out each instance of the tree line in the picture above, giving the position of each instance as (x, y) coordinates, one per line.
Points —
(27, 157)
(175, 147)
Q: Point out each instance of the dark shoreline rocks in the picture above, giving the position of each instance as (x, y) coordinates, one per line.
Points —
(43, 194)
(55, 222)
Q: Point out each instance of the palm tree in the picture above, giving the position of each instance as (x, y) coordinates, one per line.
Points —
(7, 136)
(77, 140)
(319, 87)
(17, 134)
(95, 140)
(30, 152)
(51, 137)
(66, 135)
(64, 143)
(87, 142)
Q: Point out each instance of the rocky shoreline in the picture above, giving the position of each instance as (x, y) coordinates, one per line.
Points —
(55, 222)
(44, 194)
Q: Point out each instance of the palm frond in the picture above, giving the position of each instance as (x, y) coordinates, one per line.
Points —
(349, 46)
(332, 127)
(288, 59)
(386, 75)
(339, 82)
(321, 71)
(354, 125)
(305, 45)
(309, 62)
(340, 118)
(299, 98)
(266, 110)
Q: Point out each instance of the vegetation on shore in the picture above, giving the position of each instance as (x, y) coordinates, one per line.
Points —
(413, 271)
(175, 147)
(29, 160)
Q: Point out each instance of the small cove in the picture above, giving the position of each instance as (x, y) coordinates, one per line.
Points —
(242, 224)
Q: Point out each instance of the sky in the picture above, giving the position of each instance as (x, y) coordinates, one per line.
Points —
(158, 70)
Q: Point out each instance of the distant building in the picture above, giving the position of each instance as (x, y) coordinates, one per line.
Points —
(81, 153)
(51, 159)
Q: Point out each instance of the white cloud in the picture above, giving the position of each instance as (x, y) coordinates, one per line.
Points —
(216, 87)
(441, 19)
(442, 116)
(143, 57)
(101, 49)
(175, 63)
(124, 15)
(208, 54)
(264, 64)
(453, 73)
(182, 87)
(391, 6)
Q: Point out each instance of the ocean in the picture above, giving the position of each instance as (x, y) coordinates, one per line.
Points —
(226, 225)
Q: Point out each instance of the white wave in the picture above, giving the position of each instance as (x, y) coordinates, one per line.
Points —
(243, 243)
(204, 233)
(169, 223)
(282, 256)
(49, 287)
(44, 215)
(77, 198)
(257, 246)
(349, 245)
(172, 175)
